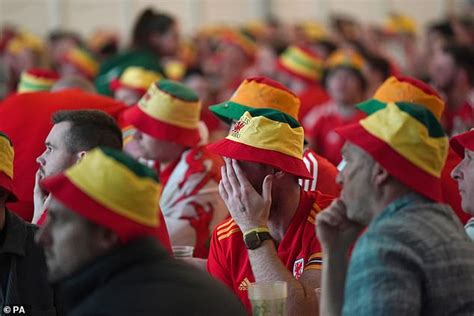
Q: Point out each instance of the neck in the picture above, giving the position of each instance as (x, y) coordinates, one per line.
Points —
(386, 198)
(284, 206)
(172, 158)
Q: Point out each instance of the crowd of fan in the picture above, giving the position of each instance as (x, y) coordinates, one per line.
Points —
(339, 160)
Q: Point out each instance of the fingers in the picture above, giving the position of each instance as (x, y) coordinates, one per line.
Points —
(334, 214)
(225, 180)
(267, 189)
(223, 191)
(231, 176)
(244, 182)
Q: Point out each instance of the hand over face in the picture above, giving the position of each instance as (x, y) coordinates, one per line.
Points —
(247, 207)
(334, 230)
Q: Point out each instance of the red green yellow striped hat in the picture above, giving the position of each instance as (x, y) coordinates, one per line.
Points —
(113, 190)
(135, 78)
(463, 141)
(169, 111)
(345, 58)
(6, 166)
(301, 63)
(83, 60)
(407, 140)
(400, 24)
(241, 41)
(266, 136)
(408, 89)
(257, 92)
(37, 79)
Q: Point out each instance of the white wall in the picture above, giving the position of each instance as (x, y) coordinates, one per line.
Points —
(84, 16)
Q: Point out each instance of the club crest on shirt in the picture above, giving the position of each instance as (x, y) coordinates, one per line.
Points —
(298, 268)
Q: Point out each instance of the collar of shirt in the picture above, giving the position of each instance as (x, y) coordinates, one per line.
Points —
(398, 204)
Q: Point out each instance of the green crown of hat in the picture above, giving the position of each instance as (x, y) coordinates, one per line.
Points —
(406, 139)
(7, 155)
(257, 92)
(169, 111)
(37, 79)
(301, 63)
(266, 136)
(111, 189)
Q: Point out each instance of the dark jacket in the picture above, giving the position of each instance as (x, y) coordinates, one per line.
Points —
(141, 279)
(24, 272)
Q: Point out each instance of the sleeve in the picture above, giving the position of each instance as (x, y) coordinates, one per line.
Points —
(216, 263)
(383, 278)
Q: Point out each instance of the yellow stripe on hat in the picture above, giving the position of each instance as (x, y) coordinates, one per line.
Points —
(107, 182)
(264, 133)
(310, 69)
(139, 78)
(414, 143)
(85, 61)
(166, 108)
(6, 156)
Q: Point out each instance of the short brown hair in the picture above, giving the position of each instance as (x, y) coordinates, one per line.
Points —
(89, 129)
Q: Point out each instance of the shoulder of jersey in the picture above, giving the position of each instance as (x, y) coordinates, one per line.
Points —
(317, 113)
(227, 229)
(321, 201)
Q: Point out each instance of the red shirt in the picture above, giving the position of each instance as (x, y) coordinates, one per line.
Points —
(320, 124)
(312, 97)
(299, 250)
(324, 174)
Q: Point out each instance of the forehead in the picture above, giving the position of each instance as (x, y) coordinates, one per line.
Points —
(58, 131)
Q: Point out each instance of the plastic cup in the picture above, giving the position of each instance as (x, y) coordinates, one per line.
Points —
(183, 252)
(268, 298)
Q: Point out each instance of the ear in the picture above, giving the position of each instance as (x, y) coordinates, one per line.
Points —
(107, 239)
(379, 175)
(80, 155)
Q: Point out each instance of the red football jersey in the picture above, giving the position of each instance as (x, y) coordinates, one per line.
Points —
(320, 124)
(299, 250)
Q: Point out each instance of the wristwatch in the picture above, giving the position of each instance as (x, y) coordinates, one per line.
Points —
(255, 237)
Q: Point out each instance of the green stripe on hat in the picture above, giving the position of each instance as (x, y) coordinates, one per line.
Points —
(177, 90)
(416, 111)
(139, 169)
(275, 115)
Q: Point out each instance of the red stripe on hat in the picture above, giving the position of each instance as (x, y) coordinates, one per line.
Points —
(73, 198)
(419, 84)
(395, 164)
(272, 83)
(239, 151)
(161, 130)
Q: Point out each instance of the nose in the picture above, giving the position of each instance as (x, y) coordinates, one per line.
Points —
(456, 174)
(40, 160)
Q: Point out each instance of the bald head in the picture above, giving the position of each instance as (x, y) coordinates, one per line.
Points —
(73, 82)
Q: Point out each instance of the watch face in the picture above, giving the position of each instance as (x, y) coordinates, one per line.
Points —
(251, 240)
